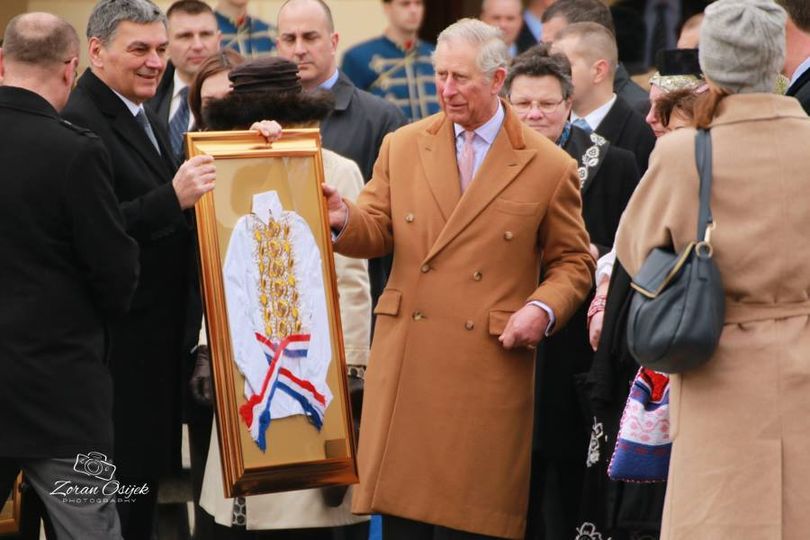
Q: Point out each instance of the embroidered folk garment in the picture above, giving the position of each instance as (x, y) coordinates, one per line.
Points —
(277, 316)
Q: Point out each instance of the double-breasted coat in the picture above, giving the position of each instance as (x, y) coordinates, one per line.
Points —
(740, 424)
(447, 415)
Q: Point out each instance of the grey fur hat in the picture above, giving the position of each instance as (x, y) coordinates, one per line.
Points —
(742, 44)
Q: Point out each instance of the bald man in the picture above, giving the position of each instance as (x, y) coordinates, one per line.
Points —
(68, 269)
(506, 15)
(591, 49)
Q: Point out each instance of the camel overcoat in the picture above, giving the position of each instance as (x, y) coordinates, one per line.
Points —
(447, 415)
(740, 424)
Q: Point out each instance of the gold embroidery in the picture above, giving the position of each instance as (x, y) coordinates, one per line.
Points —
(277, 286)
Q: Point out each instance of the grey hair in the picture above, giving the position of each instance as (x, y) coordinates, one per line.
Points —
(108, 14)
(492, 51)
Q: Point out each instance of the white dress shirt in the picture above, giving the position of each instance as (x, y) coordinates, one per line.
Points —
(804, 66)
(595, 117)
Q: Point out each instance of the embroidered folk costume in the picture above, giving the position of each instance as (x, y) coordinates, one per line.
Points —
(249, 36)
(401, 75)
(277, 316)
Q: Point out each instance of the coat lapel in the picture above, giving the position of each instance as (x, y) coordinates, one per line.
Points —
(506, 158)
(438, 154)
(125, 125)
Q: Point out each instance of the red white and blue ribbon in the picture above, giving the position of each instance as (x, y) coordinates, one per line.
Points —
(256, 411)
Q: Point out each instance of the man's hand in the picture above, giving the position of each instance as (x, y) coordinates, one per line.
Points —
(269, 129)
(595, 329)
(526, 327)
(336, 207)
(194, 178)
(594, 251)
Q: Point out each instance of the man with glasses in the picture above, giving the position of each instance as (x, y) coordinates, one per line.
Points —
(127, 42)
(68, 269)
(540, 89)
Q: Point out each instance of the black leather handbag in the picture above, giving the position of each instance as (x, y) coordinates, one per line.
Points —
(677, 310)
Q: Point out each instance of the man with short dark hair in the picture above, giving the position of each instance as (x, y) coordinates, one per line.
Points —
(397, 66)
(127, 43)
(355, 129)
(565, 12)
(68, 270)
(193, 37)
(247, 35)
(591, 49)
(797, 50)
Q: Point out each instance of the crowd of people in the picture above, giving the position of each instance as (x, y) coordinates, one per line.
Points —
(491, 198)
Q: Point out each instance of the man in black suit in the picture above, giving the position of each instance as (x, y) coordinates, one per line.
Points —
(591, 49)
(531, 32)
(68, 269)
(193, 37)
(540, 90)
(127, 41)
(355, 129)
(797, 50)
(565, 12)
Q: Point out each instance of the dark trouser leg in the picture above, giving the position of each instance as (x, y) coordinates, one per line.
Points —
(199, 436)
(397, 528)
(87, 516)
(358, 531)
(138, 514)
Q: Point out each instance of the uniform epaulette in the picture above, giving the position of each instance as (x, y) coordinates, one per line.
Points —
(78, 129)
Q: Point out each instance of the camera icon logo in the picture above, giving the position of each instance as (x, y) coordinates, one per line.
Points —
(94, 464)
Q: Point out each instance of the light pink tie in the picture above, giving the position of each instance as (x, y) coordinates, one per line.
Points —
(466, 164)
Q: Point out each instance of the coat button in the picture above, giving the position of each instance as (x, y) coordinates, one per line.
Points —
(409, 218)
(425, 268)
(469, 325)
(508, 235)
(417, 316)
(477, 276)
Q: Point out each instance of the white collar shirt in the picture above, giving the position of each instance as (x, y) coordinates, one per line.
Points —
(804, 66)
(595, 117)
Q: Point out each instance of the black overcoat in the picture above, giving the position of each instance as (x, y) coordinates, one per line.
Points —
(147, 346)
(67, 268)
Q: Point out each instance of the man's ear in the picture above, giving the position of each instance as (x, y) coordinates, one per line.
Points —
(335, 38)
(498, 78)
(2, 65)
(219, 39)
(601, 70)
(94, 50)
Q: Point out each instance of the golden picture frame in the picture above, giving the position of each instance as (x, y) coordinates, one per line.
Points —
(10, 510)
(284, 417)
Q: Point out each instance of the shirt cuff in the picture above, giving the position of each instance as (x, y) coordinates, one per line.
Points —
(336, 235)
(551, 318)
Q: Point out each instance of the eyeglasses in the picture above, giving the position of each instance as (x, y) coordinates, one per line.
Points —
(546, 107)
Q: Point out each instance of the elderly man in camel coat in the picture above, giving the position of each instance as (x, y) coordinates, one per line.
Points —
(473, 205)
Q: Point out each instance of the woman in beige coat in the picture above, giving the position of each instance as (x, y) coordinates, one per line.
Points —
(273, 92)
(740, 424)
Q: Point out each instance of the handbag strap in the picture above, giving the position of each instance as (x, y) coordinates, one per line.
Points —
(703, 157)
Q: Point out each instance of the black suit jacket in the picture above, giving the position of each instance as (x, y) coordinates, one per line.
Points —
(801, 90)
(161, 103)
(563, 424)
(356, 127)
(632, 93)
(68, 267)
(626, 128)
(525, 39)
(355, 130)
(147, 344)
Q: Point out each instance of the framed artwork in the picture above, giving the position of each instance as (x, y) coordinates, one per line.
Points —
(272, 315)
(10, 510)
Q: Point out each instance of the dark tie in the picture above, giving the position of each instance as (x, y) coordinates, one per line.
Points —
(179, 124)
(582, 124)
(147, 127)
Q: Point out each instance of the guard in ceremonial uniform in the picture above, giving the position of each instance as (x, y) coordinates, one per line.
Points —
(249, 36)
(397, 66)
